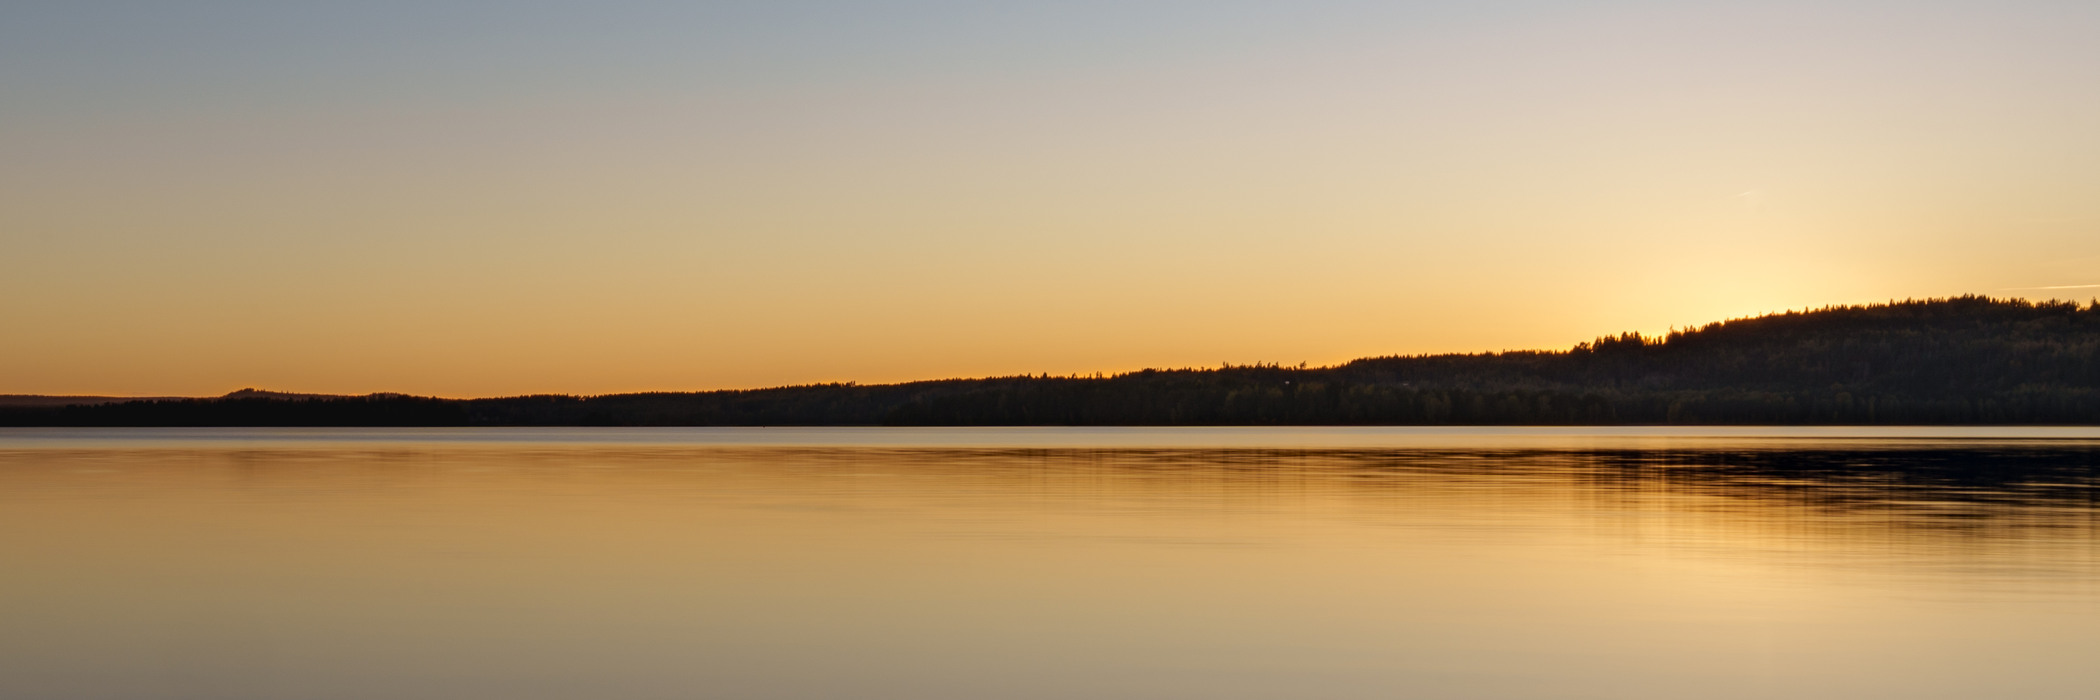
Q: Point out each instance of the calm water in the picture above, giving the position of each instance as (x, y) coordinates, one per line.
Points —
(1050, 563)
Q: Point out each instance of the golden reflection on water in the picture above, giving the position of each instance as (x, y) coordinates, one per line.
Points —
(379, 568)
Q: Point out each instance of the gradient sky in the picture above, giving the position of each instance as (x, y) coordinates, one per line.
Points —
(481, 198)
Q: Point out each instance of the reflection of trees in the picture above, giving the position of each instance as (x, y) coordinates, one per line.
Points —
(2032, 506)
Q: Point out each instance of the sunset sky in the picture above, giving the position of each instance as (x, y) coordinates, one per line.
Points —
(489, 198)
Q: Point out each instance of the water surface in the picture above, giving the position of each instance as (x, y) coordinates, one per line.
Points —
(1049, 563)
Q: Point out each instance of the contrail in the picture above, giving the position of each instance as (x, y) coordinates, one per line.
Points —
(2060, 286)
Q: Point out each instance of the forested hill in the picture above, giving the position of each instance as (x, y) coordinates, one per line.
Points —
(1965, 360)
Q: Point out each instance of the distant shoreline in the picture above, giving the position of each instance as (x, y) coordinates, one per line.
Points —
(1968, 360)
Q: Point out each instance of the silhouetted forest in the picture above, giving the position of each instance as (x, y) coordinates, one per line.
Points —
(1964, 360)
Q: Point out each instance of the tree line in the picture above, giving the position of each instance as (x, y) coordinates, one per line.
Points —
(1960, 360)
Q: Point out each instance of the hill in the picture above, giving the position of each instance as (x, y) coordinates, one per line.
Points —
(1963, 360)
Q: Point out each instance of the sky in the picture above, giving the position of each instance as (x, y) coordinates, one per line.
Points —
(496, 198)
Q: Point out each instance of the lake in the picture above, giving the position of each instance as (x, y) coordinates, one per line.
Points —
(1050, 563)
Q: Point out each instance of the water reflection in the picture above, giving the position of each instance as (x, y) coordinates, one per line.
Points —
(255, 566)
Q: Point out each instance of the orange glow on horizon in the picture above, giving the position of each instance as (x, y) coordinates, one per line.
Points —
(598, 205)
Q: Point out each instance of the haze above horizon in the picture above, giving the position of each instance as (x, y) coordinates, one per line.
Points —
(480, 199)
